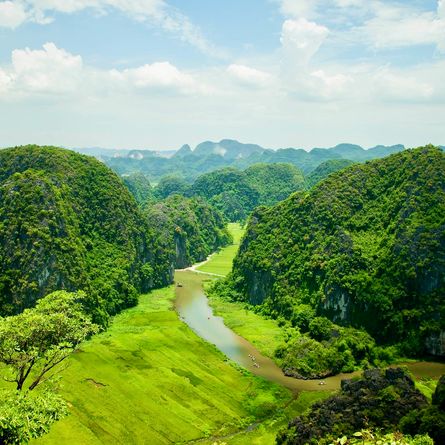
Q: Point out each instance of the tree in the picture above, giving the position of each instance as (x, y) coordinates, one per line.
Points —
(25, 416)
(35, 342)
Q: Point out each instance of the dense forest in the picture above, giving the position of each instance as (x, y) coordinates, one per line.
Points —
(363, 250)
(68, 222)
(190, 228)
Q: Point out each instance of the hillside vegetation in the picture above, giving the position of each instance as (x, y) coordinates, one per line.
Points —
(365, 248)
(325, 169)
(68, 222)
(236, 193)
(189, 228)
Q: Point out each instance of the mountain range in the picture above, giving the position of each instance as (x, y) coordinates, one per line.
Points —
(208, 156)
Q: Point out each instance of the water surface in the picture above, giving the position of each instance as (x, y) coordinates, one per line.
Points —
(193, 308)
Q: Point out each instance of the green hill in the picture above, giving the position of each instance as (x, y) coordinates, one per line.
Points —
(325, 169)
(366, 248)
(236, 193)
(190, 228)
(68, 222)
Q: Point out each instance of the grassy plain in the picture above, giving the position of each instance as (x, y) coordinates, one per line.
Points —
(149, 379)
(221, 262)
(263, 333)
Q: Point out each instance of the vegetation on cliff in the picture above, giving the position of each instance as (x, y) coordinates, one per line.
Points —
(189, 228)
(364, 248)
(378, 400)
(325, 169)
(68, 222)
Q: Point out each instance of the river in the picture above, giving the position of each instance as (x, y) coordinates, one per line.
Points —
(193, 308)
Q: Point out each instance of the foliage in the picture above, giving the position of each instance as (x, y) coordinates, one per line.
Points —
(325, 169)
(364, 248)
(368, 437)
(68, 222)
(171, 185)
(140, 187)
(229, 191)
(429, 419)
(189, 228)
(25, 416)
(35, 342)
(236, 193)
(378, 400)
(274, 182)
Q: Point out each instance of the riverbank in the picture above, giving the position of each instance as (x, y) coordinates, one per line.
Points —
(220, 263)
(150, 379)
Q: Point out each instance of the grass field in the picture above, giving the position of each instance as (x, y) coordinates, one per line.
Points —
(263, 333)
(221, 262)
(150, 380)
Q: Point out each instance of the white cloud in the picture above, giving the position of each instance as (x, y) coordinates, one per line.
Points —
(397, 25)
(392, 33)
(157, 76)
(298, 8)
(248, 76)
(5, 81)
(400, 87)
(331, 85)
(51, 69)
(301, 39)
(12, 14)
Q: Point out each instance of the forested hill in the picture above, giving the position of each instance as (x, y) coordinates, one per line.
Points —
(365, 247)
(190, 229)
(68, 222)
(236, 193)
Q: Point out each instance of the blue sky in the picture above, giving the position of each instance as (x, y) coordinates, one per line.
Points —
(160, 73)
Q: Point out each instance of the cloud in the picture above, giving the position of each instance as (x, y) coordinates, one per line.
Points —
(248, 76)
(12, 14)
(5, 81)
(400, 87)
(396, 27)
(298, 8)
(301, 39)
(51, 69)
(331, 85)
(157, 76)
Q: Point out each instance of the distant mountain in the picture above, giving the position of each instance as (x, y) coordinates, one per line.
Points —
(228, 149)
(209, 156)
(103, 153)
(185, 150)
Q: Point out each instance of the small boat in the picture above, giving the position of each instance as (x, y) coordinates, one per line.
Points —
(179, 285)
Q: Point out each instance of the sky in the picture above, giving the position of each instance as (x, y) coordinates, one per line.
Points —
(157, 74)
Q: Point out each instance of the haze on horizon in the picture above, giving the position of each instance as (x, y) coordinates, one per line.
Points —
(157, 74)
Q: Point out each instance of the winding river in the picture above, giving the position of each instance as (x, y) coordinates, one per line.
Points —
(193, 308)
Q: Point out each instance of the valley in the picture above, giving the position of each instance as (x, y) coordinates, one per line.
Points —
(238, 343)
